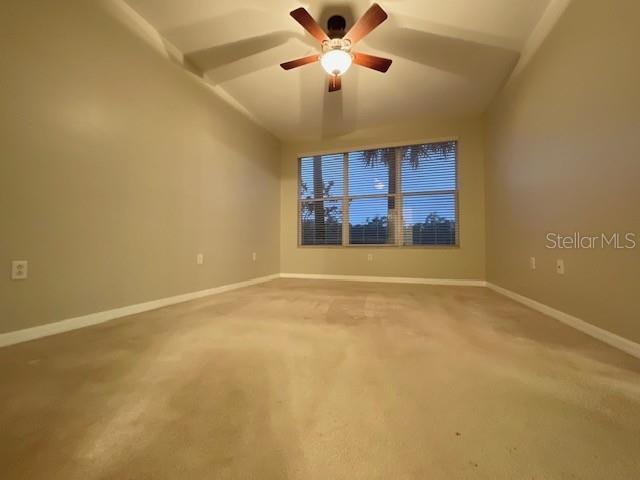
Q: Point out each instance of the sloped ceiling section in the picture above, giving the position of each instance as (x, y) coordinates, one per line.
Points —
(449, 58)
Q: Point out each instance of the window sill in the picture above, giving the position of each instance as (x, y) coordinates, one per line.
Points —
(403, 247)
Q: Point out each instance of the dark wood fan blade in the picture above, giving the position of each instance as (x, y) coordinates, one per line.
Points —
(372, 62)
(310, 25)
(335, 83)
(370, 20)
(300, 62)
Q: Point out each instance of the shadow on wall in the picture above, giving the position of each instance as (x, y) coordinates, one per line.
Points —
(228, 61)
(232, 136)
(465, 58)
(234, 56)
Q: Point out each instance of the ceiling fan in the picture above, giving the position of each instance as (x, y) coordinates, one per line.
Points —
(336, 56)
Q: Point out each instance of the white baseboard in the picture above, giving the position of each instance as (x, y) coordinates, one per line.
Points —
(621, 343)
(10, 338)
(379, 279)
(19, 336)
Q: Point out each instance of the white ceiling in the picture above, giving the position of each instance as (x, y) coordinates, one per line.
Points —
(449, 58)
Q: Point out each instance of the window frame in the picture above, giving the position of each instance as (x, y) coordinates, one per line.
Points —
(345, 197)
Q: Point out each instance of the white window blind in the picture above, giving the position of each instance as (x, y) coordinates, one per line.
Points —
(321, 199)
(403, 196)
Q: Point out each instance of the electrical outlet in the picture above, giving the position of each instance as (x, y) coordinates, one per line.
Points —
(200, 259)
(254, 256)
(370, 257)
(560, 266)
(532, 263)
(19, 269)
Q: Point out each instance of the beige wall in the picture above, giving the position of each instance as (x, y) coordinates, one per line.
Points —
(465, 262)
(118, 168)
(564, 156)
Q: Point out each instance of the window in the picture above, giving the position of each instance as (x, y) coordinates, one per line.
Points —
(403, 196)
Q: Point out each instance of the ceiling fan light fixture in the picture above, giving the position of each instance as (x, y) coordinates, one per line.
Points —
(336, 62)
(336, 56)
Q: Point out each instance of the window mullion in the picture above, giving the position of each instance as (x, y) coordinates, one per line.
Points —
(299, 202)
(345, 199)
(399, 222)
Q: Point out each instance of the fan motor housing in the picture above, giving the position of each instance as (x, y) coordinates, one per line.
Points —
(336, 25)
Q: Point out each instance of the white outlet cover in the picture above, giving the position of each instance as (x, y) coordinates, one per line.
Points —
(532, 263)
(200, 259)
(254, 255)
(19, 269)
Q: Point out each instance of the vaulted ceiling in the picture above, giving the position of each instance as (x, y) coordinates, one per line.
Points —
(449, 58)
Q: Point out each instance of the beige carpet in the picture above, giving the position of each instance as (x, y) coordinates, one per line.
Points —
(322, 380)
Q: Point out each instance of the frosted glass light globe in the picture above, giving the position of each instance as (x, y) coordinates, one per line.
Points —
(336, 62)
